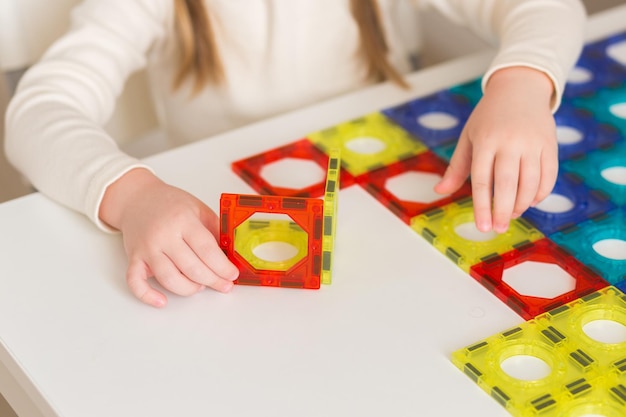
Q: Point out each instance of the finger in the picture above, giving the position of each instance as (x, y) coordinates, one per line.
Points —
(206, 248)
(211, 221)
(482, 186)
(171, 278)
(530, 174)
(506, 179)
(458, 169)
(195, 270)
(549, 173)
(137, 280)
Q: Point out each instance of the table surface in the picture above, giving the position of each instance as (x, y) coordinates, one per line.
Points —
(75, 343)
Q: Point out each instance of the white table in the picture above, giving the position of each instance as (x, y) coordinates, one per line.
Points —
(377, 342)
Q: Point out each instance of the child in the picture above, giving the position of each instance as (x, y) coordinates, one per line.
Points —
(217, 64)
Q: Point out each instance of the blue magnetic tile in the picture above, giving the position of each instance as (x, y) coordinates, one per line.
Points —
(585, 205)
(591, 133)
(600, 69)
(410, 116)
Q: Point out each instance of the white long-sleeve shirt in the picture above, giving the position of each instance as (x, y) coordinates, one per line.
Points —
(277, 54)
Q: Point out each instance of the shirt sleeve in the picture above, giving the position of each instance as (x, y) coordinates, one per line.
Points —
(54, 132)
(546, 35)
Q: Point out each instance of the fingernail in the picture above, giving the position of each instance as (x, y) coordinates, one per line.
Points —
(231, 275)
(159, 303)
(227, 287)
(484, 226)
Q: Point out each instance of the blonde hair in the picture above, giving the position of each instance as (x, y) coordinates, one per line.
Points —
(199, 55)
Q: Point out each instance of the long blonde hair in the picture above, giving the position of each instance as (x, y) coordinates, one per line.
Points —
(200, 57)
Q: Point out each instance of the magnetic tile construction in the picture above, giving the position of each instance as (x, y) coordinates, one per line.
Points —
(304, 223)
(586, 376)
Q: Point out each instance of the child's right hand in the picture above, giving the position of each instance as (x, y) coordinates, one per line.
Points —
(509, 146)
(169, 235)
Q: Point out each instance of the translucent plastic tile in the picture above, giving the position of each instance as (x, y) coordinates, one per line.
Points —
(331, 200)
(435, 119)
(240, 234)
(580, 375)
(472, 90)
(595, 69)
(490, 274)
(603, 170)
(607, 304)
(573, 202)
(579, 132)
(368, 143)
(441, 227)
(250, 169)
(607, 106)
(377, 184)
(604, 396)
(446, 151)
(251, 234)
(590, 239)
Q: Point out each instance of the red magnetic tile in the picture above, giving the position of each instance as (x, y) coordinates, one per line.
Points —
(306, 212)
(249, 169)
(490, 274)
(375, 183)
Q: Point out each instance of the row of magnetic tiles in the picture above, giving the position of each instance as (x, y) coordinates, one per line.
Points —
(563, 238)
(596, 203)
(586, 375)
(419, 136)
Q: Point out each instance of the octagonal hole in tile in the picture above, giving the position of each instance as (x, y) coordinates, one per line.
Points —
(468, 231)
(294, 173)
(414, 186)
(579, 75)
(615, 174)
(617, 51)
(611, 248)
(555, 203)
(437, 120)
(567, 135)
(272, 241)
(539, 279)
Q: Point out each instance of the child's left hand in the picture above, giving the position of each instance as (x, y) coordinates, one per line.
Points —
(509, 147)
